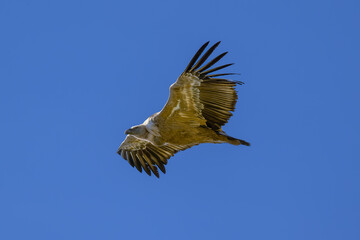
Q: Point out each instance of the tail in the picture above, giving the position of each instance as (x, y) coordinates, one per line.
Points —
(232, 140)
(235, 141)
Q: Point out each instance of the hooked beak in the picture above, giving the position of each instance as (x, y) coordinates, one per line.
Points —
(128, 131)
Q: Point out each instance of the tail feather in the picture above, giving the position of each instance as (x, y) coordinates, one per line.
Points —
(235, 141)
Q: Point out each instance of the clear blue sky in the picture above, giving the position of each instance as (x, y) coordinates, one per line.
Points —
(76, 74)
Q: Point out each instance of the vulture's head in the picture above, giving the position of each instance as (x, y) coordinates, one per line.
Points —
(139, 131)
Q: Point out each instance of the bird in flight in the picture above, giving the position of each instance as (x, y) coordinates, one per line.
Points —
(199, 104)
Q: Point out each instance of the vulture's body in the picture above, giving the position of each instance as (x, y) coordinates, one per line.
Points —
(198, 105)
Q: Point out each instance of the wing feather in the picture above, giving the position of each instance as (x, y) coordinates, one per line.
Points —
(136, 161)
(212, 62)
(205, 56)
(156, 161)
(144, 165)
(129, 158)
(196, 56)
(150, 163)
(203, 74)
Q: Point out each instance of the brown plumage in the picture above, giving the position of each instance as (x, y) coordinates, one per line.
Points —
(199, 104)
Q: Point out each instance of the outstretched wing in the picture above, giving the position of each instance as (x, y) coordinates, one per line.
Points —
(199, 97)
(144, 155)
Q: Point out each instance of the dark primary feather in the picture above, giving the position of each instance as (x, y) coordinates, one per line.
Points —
(196, 56)
(205, 57)
(216, 69)
(212, 62)
(221, 74)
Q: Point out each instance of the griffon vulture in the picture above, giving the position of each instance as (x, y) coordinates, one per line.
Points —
(200, 103)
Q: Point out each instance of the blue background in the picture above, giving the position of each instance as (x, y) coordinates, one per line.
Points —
(76, 74)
